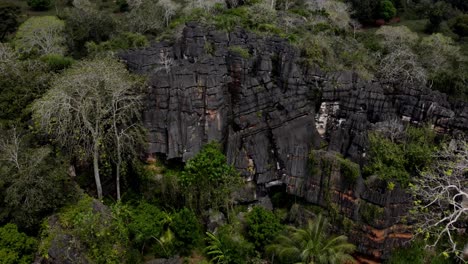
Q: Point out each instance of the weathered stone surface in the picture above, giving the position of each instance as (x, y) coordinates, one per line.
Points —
(270, 111)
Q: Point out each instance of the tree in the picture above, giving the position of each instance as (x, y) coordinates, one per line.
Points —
(16, 247)
(460, 25)
(402, 67)
(441, 198)
(35, 181)
(437, 13)
(262, 227)
(365, 10)
(439, 53)
(21, 81)
(312, 244)
(386, 10)
(86, 101)
(41, 35)
(85, 23)
(396, 37)
(151, 15)
(208, 180)
(8, 19)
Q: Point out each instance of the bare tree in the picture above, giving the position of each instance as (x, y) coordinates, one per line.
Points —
(126, 105)
(165, 59)
(441, 205)
(402, 66)
(81, 103)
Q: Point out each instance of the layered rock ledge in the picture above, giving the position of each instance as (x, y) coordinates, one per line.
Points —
(270, 111)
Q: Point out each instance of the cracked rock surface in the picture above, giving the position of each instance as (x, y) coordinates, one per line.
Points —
(269, 110)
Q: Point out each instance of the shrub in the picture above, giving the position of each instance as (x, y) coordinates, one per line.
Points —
(370, 212)
(208, 180)
(241, 51)
(146, 223)
(39, 5)
(387, 159)
(57, 62)
(187, 230)
(91, 225)
(228, 246)
(8, 19)
(262, 227)
(16, 247)
(460, 25)
(123, 41)
(386, 10)
(349, 169)
(395, 161)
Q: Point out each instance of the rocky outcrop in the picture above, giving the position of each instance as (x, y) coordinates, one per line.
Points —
(270, 110)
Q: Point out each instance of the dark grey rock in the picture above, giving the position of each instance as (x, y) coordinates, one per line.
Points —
(269, 111)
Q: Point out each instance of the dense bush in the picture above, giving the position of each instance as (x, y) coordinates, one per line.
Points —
(187, 230)
(92, 225)
(122, 41)
(228, 246)
(396, 161)
(262, 227)
(386, 9)
(146, 224)
(83, 25)
(208, 179)
(57, 62)
(9, 14)
(460, 25)
(16, 247)
(21, 82)
(39, 5)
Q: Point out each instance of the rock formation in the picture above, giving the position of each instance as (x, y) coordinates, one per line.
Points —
(270, 110)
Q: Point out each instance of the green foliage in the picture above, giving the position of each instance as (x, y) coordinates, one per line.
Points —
(123, 5)
(370, 213)
(243, 52)
(123, 41)
(146, 223)
(437, 13)
(21, 82)
(35, 182)
(187, 230)
(460, 25)
(386, 10)
(365, 10)
(453, 83)
(387, 160)
(228, 247)
(39, 5)
(349, 169)
(396, 161)
(262, 227)
(41, 35)
(312, 244)
(418, 148)
(85, 25)
(93, 226)
(57, 62)
(416, 253)
(208, 180)
(9, 14)
(16, 247)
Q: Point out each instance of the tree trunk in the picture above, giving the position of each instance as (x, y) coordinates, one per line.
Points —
(119, 161)
(97, 178)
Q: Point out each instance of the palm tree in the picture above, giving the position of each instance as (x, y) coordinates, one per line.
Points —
(312, 245)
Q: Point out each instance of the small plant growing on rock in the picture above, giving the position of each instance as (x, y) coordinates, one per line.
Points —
(241, 51)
